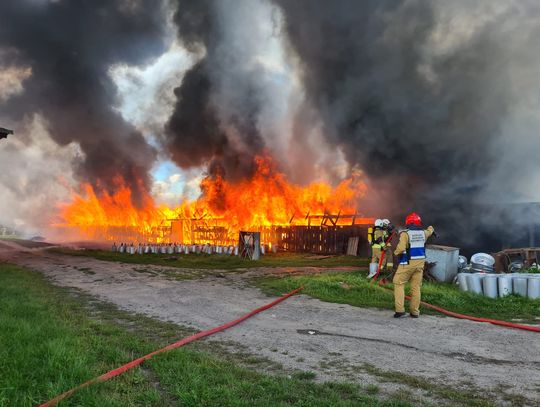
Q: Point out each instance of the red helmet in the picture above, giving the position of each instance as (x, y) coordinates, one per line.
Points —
(413, 219)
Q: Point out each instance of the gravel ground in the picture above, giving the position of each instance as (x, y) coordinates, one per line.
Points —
(336, 341)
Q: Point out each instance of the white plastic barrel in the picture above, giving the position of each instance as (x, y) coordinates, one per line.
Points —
(489, 283)
(474, 283)
(520, 286)
(505, 285)
(533, 287)
(462, 281)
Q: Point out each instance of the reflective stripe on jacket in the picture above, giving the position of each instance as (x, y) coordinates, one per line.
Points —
(416, 248)
(379, 238)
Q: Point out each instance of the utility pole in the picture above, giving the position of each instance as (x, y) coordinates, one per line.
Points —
(4, 132)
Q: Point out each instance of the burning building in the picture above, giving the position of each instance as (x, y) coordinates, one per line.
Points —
(315, 218)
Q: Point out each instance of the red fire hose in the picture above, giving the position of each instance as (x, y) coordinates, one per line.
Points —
(450, 313)
(118, 371)
(115, 372)
(476, 319)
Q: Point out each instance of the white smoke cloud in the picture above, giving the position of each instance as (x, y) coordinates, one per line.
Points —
(252, 44)
(145, 96)
(11, 81)
(146, 100)
(36, 175)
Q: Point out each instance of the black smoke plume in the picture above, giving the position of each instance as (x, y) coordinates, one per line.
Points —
(70, 46)
(418, 105)
(214, 122)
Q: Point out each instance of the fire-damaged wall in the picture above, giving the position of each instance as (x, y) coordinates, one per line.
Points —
(321, 239)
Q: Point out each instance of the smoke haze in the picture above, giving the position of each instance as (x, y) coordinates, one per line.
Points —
(69, 47)
(420, 94)
(436, 102)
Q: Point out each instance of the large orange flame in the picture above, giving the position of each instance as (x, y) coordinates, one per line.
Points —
(264, 200)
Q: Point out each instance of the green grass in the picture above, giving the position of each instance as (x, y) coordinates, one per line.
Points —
(52, 339)
(221, 262)
(354, 289)
(457, 396)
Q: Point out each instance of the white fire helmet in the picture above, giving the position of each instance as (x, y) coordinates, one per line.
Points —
(379, 223)
(385, 222)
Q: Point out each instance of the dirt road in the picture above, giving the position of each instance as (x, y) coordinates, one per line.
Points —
(335, 341)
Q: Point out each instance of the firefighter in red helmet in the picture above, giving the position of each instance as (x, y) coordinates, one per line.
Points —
(411, 253)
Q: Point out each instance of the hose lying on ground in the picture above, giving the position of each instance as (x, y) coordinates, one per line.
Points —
(118, 371)
(506, 324)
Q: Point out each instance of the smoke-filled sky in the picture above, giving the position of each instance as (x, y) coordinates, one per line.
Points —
(437, 102)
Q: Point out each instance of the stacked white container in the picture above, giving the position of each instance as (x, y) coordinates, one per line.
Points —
(533, 287)
(489, 284)
(505, 285)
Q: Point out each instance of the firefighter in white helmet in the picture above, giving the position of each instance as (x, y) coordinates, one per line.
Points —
(376, 237)
(388, 228)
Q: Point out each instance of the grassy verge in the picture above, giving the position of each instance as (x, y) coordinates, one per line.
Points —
(52, 339)
(354, 289)
(222, 262)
